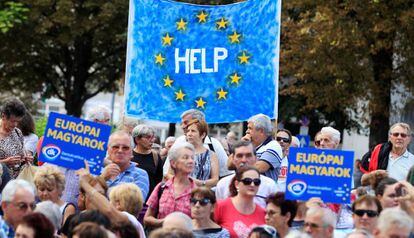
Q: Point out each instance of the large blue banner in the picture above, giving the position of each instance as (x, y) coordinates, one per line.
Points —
(326, 174)
(223, 60)
(68, 141)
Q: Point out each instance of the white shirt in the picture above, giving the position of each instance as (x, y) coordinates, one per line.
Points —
(30, 142)
(398, 168)
(218, 149)
(134, 221)
(267, 187)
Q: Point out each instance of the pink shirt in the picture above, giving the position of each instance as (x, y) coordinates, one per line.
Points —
(239, 225)
(168, 202)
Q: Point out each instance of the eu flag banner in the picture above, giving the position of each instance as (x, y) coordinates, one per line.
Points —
(326, 174)
(69, 141)
(223, 60)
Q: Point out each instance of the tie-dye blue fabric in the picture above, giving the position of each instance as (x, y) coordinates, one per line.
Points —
(223, 60)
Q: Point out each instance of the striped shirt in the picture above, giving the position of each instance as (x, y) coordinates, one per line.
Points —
(270, 152)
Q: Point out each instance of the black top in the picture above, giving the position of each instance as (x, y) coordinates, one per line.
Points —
(146, 162)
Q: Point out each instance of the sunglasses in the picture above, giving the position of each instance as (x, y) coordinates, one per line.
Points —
(279, 139)
(396, 134)
(369, 213)
(121, 147)
(24, 206)
(249, 181)
(270, 231)
(202, 202)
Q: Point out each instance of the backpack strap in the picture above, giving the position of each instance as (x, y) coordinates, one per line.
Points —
(155, 158)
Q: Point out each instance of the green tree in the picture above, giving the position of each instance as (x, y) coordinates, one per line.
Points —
(66, 48)
(337, 53)
(11, 13)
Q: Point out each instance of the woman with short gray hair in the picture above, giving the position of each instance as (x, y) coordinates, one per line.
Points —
(175, 193)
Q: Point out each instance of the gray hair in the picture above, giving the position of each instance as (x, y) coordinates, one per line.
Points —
(99, 112)
(297, 234)
(403, 125)
(170, 139)
(195, 114)
(118, 133)
(243, 143)
(328, 217)
(51, 211)
(295, 141)
(143, 130)
(174, 152)
(336, 135)
(12, 186)
(180, 217)
(394, 217)
(261, 121)
(363, 232)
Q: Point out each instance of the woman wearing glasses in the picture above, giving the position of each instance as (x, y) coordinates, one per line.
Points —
(239, 214)
(202, 202)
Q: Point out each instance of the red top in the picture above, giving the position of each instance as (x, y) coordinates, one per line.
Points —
(239, 225)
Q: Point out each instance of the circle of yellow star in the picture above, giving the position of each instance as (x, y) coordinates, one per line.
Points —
(181, 25)
(179, 95)
(167, 81)
(159, 59)
(202, 17)
(222, 23)
(167, 39)
(243, 59)
(221, 94)
(234, 38)
(235, 78)
(200, 103)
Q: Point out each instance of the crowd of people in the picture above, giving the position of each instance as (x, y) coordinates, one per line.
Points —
(196, 185)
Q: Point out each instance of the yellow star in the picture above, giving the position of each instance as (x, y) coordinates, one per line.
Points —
(167, 81)
(235, 78)
(222, 23)
(200, 103)
(167, 39)
(181, 25)
(244, 59)
(234, 38)
(179, 95)
(159, 59)
(221, 94)
(202, 17)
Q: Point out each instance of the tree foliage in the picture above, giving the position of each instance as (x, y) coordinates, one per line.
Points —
(339, 53)
(67, 48)
(11, 13)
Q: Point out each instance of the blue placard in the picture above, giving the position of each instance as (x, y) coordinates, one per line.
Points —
(68, 141)
(304, 140)
(326, 174)
(223, 60)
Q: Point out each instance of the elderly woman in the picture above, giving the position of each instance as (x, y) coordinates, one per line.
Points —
(12, 151)
(174, 194)
(202, 202)
(206, 170)
(240, 211)
(146, 158)
(50, 183)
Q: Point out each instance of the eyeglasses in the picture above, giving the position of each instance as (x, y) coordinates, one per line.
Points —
(311, 225)
(269, 230)
(369, 213)
(24, 206)
(121, 147)
(202, 202)
(396, 134)
(249, 181)
(279, 139)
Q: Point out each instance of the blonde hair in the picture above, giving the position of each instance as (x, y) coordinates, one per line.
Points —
(128, 196)
(48, 176)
